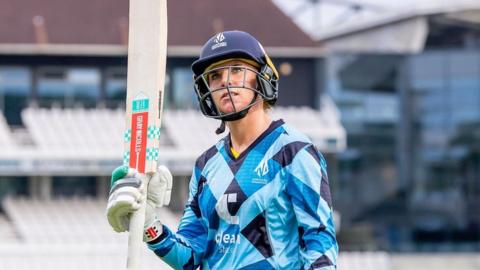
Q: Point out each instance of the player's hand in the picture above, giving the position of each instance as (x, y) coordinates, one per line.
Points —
(160, 188)
(158, 195)
(128, 191)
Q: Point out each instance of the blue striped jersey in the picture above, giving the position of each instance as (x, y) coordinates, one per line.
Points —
(269, 208)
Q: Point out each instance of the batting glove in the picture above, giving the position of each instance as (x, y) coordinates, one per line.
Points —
(128, 191)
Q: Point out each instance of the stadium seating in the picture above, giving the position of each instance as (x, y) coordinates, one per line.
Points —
(7, 231)
(73, 234)
(7, 144)
(95, 135)
(364, 261)
(191, 131)
(76, 132)
(66, 234)
(65, 221)
(72, 257)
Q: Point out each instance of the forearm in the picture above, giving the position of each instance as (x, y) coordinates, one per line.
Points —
(175, 251)
(320, 250)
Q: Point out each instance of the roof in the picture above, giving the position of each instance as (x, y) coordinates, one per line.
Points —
(202, 19)
(395, 17)
(398, 32)
(71, 25)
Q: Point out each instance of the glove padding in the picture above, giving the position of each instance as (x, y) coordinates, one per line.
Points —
(128, 191)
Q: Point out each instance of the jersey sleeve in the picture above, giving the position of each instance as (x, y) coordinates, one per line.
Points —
(185, 249)
(307, 185)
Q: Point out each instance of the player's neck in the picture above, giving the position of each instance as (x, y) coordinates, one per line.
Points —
(243, 132)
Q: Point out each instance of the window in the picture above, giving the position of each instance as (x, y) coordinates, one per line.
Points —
(116, 87)
(68, 86)
(376, 73)
(183, 95)
(15, 85)
(13, 185)
(85, 85)
(446, 89)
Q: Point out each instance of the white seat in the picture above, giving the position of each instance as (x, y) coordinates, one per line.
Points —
(364, 261)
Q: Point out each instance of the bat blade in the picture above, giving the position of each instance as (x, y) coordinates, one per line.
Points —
(147, 50)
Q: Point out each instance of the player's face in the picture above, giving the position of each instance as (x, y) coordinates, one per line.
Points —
(231, 84)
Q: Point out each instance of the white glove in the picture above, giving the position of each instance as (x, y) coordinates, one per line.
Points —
(127, 192)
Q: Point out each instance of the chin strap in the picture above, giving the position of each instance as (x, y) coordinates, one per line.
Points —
(221, 128)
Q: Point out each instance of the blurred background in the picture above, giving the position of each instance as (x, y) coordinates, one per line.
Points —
(389, 92)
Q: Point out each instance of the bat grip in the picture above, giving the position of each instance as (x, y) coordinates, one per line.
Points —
(135, 237)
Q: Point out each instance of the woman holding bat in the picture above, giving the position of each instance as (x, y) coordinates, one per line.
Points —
(259, 198)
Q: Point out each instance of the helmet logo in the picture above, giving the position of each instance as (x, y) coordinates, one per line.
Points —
(219, 41)
(219, 38)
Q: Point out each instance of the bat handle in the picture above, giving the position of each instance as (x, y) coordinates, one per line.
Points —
(135, 237)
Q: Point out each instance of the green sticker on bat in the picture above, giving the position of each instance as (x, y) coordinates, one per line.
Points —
(140, 103)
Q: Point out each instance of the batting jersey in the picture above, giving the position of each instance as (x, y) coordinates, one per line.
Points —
(269, 208)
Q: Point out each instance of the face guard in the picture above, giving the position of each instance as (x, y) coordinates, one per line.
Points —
(226, 46)
(229, 81)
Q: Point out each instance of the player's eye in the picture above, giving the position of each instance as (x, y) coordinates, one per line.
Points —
(237, 70)
(213, 76)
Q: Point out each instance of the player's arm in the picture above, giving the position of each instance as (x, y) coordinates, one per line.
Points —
(185, 249)
(308, 188)
(182, 250)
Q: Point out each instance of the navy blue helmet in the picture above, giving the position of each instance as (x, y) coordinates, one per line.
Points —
(234, 45)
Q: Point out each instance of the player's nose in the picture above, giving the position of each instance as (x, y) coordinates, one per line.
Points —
(225, 77)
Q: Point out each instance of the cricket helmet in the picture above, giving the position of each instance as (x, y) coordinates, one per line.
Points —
(234, 45)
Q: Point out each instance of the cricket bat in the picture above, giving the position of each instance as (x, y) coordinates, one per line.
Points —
(147, 52)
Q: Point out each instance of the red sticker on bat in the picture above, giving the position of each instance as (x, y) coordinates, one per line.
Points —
(138, 143)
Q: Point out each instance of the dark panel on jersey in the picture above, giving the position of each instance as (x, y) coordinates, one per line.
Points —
(210, 248)
(314, 152)
(321, 262)
(235, 164)
(194, 204)
(301, 232)
(325, 190)
(256, 233)
(288, 152)
(213, 221)
(324, 187)
(318, 157)
(190, 264)
(205, 157)
(235, 198)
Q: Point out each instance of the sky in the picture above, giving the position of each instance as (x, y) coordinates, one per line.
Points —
(327, 14)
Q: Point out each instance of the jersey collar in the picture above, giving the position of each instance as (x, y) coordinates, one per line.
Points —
(228, 143)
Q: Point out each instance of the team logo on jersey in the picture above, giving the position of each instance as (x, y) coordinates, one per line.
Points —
(261, 171)
(262, 168)
(219, 41)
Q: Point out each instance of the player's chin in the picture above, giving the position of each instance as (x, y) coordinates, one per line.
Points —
(229, 107)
